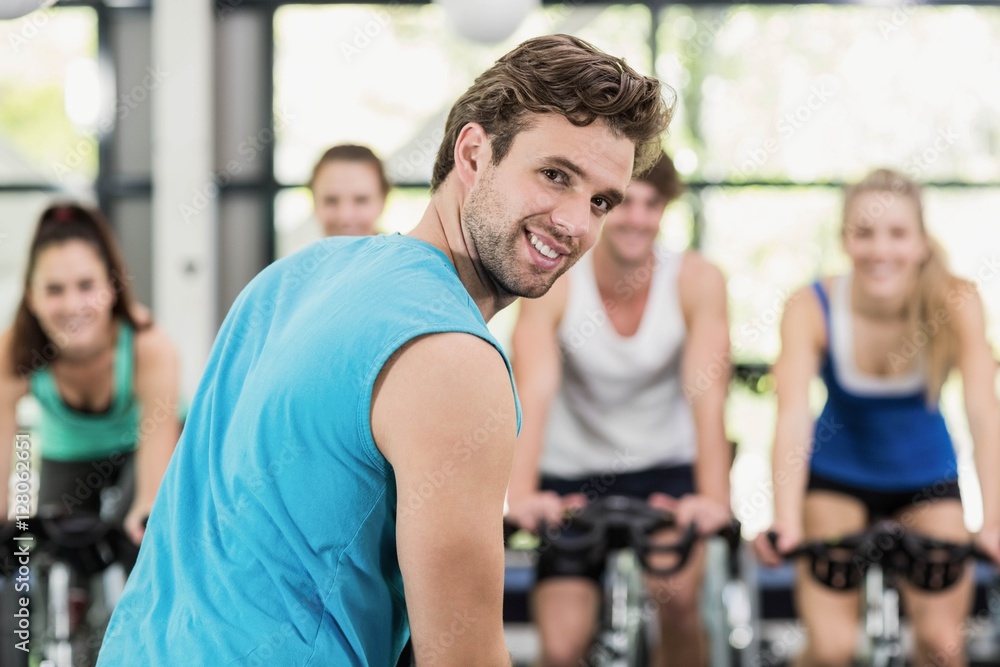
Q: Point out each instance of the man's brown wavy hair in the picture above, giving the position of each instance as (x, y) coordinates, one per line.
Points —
(564, 75)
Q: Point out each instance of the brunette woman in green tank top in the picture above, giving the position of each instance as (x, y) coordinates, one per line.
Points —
(105, 377)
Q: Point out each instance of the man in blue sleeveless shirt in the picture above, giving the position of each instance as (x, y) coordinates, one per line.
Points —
(339, 483)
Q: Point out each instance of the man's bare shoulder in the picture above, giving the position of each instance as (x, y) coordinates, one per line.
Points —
(440, 384)
(699, 274)
(701, 285)
(447, 352)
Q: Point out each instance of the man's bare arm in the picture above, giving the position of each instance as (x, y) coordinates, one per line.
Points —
(538, 371)
(706, 372)
(443, 415)
(156, 388)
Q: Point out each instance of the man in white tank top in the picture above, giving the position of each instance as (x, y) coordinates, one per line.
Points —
(614, 369)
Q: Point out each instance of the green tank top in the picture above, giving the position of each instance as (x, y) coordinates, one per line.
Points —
(66, 434)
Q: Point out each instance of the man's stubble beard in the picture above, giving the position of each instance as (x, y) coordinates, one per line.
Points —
(497, 247)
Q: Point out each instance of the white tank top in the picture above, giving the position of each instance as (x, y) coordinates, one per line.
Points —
(620, 406)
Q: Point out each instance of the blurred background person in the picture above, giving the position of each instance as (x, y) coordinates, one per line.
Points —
(349, 190)
(884, 338)
(104, 375)
(624, 404)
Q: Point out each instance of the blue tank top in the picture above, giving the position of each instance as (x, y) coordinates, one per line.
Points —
(272, 540)
(879, 442)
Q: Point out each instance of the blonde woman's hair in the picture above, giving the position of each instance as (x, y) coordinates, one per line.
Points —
(928, 309)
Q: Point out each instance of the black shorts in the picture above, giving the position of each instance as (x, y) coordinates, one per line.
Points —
(74, 486)
(885, 504)
(674, 481)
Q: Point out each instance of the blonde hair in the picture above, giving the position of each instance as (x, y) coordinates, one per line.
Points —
(928, 304)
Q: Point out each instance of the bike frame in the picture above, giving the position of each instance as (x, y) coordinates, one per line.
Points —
(621, 639)
(884, 646)
(69, 641)
(729, 604)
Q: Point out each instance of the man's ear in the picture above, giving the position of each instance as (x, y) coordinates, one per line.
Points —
(472, 152)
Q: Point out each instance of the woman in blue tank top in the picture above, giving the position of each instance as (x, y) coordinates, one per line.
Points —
(883, 338)
(104, 376)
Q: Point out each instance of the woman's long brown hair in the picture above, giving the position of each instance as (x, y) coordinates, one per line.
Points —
(31, 348)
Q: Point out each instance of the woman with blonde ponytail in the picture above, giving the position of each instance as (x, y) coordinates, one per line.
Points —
(884, 339)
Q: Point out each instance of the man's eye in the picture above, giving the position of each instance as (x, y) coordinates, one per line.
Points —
(602, 204)
(553, 175)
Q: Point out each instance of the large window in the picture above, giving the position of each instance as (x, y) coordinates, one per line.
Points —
(823, 93)
(770, 101)
(776, 107)
(386, 76)
(48, 97)
(48, 63)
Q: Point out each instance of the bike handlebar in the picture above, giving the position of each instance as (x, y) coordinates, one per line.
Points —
(82, 537)
(619, 522)
(926, 562)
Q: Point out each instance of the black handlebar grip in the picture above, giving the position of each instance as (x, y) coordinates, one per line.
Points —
(772, 537)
